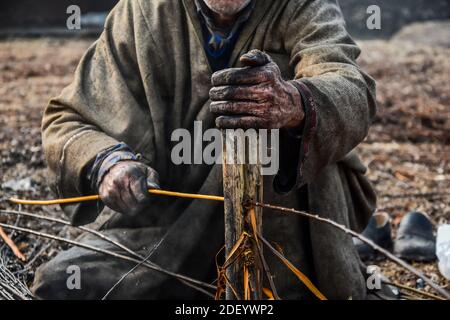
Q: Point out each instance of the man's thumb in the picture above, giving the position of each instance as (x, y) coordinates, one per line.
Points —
(152, 179)
(255, 58)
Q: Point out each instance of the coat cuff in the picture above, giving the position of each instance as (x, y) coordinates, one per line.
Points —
(105, 160)
(78, 153)
(292, 178)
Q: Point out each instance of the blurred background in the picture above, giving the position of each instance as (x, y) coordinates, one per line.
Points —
(407, 150)
(31, 16)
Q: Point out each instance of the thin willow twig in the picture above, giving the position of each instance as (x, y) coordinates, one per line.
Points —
(10, 285)
(267, 272)
(341, 227)
(265, 266)
(408, 296)
(5, 294)
(37, 255)
(416, 195)
(132, 269)
(423, 293)
(228, 282)
(13, 291)
(82, 228)
(303, 278)
(12, 245)
(97, 197)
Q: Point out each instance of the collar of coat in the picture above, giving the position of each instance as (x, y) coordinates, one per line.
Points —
(220, 37)
(261, 7)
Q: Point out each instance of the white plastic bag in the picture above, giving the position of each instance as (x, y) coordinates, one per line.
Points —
(443, 249)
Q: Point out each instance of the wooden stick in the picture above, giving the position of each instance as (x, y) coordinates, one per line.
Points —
(242, 182)
(12, 245)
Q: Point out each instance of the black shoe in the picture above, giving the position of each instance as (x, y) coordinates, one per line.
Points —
(415, 240)
(379, 231)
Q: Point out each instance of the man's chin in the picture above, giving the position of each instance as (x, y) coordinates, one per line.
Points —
(226, 7)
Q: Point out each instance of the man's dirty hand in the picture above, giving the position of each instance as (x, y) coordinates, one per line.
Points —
(125, 187)
(255, 96)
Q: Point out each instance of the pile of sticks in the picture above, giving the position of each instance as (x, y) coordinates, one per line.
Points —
(11, 287)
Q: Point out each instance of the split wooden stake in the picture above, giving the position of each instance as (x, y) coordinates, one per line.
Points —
(242, 183)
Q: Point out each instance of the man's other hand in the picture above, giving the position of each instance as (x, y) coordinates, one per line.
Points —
(125, 187)
(255, 96)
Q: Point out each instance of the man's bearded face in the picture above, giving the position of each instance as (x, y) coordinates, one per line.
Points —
(226, 7)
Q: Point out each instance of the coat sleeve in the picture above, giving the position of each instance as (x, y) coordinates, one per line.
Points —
(339, 98)
(97, 110)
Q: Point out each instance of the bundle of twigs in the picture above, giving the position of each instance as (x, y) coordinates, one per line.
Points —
(11, 287)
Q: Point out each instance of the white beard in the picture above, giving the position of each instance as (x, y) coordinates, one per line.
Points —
(226, 7)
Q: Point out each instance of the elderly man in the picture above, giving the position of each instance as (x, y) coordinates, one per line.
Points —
(161, 65)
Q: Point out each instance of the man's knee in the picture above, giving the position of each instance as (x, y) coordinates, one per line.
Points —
(58, 279)
(76, 273)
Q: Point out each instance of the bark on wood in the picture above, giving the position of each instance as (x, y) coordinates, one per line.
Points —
(242, 183)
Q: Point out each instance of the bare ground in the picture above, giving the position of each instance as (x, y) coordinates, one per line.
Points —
(406, 151)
